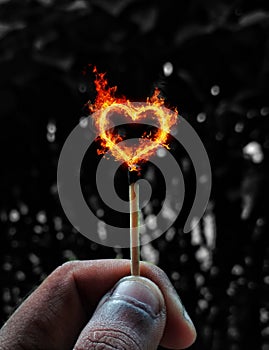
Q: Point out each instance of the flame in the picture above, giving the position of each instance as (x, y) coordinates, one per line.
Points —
(107, 103)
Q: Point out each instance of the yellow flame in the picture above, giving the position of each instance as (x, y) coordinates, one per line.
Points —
(106, 104)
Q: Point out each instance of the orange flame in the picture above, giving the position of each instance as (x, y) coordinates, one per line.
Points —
(107, 103)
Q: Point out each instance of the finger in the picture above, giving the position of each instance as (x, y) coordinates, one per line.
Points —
(179, 331)
(132, 316)
(54, 315)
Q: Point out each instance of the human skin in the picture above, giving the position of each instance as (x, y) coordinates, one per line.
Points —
(63, 312)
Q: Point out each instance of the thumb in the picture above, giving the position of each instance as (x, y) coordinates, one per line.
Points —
(131, 316)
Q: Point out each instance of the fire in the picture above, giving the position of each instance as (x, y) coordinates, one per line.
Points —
(106, 103)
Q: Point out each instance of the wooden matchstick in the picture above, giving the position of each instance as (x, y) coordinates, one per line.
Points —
(134, 228)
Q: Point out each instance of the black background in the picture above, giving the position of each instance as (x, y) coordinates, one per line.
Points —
(45, 46)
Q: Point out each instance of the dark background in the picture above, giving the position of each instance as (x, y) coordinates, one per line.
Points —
(220, 56)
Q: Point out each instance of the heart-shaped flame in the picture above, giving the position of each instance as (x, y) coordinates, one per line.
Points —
(106, 103)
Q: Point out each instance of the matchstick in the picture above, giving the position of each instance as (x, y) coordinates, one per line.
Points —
(134, 227)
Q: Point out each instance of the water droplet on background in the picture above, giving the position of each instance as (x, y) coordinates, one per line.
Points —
(215, 90)
(150, 254)
(50, 137)
(82, 88)
(51, 128)
(100, 213)
(219, 136)
(101, 230)
(168, 69)
(161, 152)
(264, 111)
(175, 276)
(14, 215)
(253, 150)
(59, 236)
(41, 217)
(201, 117)
(83, 122)
(239, 127)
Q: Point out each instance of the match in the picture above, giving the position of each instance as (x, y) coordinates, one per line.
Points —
(134, 223)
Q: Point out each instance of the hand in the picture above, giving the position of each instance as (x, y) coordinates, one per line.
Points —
(90, 305)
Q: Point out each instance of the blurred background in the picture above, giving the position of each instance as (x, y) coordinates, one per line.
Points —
(211, 60)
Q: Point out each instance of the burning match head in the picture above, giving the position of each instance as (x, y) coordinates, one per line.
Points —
(134, 173)
(107, 105)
